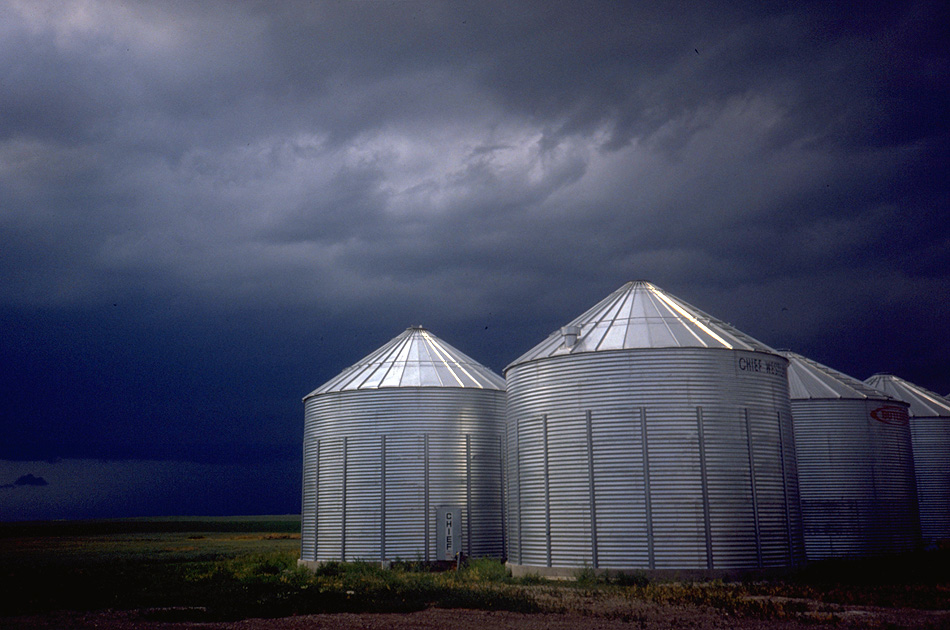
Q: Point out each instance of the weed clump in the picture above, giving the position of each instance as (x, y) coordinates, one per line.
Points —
(271, 586)
(181, 574)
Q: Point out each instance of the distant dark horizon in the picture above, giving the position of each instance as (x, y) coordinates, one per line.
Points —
(207, 211)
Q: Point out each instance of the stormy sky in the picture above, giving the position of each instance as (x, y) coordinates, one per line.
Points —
(209, 209)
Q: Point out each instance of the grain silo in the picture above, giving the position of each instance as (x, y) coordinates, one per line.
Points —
(855, 464)
(403, 457)
(930, 433)
(646, 435)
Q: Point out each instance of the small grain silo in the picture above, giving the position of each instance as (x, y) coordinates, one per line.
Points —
(930, 433)
(403, 457)
(855, 464)
(647, 435)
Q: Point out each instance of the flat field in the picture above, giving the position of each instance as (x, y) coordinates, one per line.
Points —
(242, 573)
(132, 563)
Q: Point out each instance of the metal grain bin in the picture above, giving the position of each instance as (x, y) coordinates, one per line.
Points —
(930, 433)
(855, 464)
(646, 435)
(403, 457)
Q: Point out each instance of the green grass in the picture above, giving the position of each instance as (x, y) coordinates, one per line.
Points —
(219, 569)
(222, 569)
(87, 566)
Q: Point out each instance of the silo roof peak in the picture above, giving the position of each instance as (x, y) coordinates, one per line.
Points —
(414, 358)
(808, 379)
(641, 315)
(923, 402)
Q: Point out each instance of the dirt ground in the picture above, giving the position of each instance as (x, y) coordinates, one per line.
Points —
(602, 615)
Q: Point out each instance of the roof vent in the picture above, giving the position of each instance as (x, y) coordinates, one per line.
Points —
(570, 334)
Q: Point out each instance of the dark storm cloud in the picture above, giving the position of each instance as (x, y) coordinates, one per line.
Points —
(30, 480)
(26, 480)
(207, 210)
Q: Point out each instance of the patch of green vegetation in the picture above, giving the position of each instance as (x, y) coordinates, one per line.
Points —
(249, 568)
(268, 586)
(918, 580)
(588, 577)
(915, 580)
(485, 570)
(234, 572)
(730, 598)
(57, 568)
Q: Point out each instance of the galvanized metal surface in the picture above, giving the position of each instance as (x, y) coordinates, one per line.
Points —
(855, 464)
(641, 315)
(931, 439)
(923, 402)
(856, 478)
(679, 458)
(415, 358)
(413, 427)
(930, 434)
(808, 379)
(648, 435)
(379, 463)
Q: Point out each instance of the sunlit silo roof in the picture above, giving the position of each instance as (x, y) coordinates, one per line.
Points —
(808, 379)
(647, 435)
(855, 464)
(640, 315)
(416, 358)
(922, 401)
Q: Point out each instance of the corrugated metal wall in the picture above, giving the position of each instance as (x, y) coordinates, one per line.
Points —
(652, 459)
(377, 464)
(931, 439)
(856, 477)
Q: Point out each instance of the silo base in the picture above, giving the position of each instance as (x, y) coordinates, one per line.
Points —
(313, 565)
(570, 573)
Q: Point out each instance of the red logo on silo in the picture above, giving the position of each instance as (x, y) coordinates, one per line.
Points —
(890, 414)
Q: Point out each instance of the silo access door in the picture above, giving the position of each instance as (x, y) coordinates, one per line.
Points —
(448, 532)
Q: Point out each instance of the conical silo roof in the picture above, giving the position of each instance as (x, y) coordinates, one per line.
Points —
(808, 379)
(640, 315)
(923, 402)
(415, 358)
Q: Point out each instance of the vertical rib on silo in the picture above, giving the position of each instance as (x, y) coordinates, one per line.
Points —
(752, 477)
(547, 491)
(382, 498)
(427, 511)
(592, 494)
(647, 504)
(704, 480)
(468, 494)
(309, 501)
(502, 463)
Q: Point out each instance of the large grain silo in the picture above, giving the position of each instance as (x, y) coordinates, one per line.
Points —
(403, 457)
(930, 433)
(647, 435)
(855, 464)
